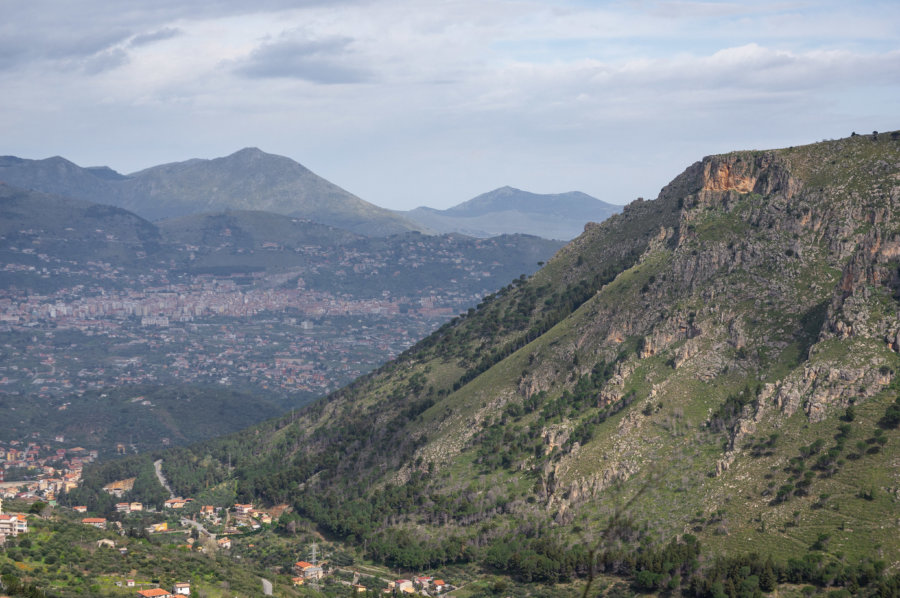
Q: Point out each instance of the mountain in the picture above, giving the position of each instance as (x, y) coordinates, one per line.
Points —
(698, 393)
(336, 260)
(246, 180)
(37, 229)
(507, 210)
(252, 230)
(59, 176)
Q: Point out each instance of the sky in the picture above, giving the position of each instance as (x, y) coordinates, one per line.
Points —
(432, 102)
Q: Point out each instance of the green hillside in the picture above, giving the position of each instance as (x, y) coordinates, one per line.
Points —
(700, 391)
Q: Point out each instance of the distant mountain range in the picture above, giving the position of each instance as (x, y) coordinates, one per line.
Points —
(253, 180)
(508, 210)
(246, 180)
(39, 231)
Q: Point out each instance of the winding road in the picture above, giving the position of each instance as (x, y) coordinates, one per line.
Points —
(157, 466)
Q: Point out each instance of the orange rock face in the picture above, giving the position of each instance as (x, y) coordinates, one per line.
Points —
(721, 176)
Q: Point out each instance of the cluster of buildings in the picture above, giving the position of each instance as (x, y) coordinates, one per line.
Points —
(48, 470)
(320, 354)
(204, 296)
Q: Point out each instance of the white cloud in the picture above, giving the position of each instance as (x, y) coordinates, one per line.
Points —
(548, 95)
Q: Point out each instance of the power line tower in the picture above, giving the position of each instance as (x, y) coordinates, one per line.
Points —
(315, 563)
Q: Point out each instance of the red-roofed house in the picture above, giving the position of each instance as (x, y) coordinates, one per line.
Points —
(98, 522)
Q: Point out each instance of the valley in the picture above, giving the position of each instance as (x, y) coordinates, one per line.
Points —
(99, 308)
(697, 397)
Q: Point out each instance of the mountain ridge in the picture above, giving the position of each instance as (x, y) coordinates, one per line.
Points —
(246, 179)
(511, 210)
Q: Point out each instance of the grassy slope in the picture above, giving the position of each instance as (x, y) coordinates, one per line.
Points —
(752, 275)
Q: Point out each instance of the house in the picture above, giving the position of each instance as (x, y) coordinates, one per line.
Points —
(243, 509)
(182, 588)
(119, 487)
(422, 582)
(129, 583)
(224, 543)
(308, 570)
(298, 581)
(155, 593)
(439, 585)
(175, 503)
(136, 506)
(98, 522)
(13, 524)
(158, 527)
(404, 585)
(123, 507)
(80, 509)
(359, 588)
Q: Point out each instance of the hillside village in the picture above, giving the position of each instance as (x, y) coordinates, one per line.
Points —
(41, 470)
(205, 529)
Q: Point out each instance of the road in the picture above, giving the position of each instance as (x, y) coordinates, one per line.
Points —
(189, 522)
(157, 466)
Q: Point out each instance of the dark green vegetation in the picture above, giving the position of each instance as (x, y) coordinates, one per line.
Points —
(60, 557)
(507, 210)
(698, 394)
(140, 416)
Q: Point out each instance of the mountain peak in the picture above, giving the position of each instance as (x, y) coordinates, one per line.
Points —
(248, 179)
(249, 152)
(510, 210)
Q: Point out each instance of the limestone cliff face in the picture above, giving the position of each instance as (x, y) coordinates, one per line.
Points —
(759, 240)
(765, 174)
(869, 283)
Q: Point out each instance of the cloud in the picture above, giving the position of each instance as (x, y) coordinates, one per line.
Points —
(155, 36)
(328, 61)
(105, 61)
(533, 93)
